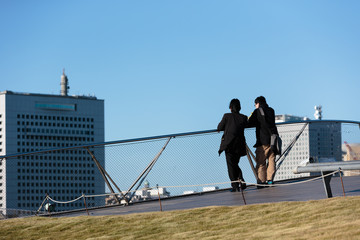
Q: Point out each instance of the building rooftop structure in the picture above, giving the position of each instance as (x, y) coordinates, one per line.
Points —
(64, 83)
(48, 95)
(289, 118)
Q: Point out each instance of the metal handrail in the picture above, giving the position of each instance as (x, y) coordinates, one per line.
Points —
(156, 137)
(109, 143)
(327, 166)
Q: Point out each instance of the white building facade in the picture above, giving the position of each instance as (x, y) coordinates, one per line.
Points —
(319, 140)
(35, 122)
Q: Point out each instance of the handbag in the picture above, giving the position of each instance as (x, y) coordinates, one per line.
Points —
(275, 140)
(275, 144)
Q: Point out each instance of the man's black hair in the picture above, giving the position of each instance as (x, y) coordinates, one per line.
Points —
(235, 105)
(260, 100)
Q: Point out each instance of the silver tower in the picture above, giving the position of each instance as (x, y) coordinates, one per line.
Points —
(64, 84)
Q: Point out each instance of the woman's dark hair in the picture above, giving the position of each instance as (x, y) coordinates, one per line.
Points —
(260, 100)
(235, 105)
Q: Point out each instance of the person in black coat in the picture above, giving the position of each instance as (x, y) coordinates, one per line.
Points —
(233, 142)
(265, 126)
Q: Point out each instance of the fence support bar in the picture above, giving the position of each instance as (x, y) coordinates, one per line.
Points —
(147, 169)
(279, 161)
(46, 197)
(102, 174)
(250, 157)
(112, 181)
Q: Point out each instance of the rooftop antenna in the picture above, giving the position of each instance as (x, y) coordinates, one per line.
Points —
(318, 112)
(64, 84)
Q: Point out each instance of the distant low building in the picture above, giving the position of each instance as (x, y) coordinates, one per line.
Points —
(208, 189)
(147, 193)
(143, 194)
(189, 192)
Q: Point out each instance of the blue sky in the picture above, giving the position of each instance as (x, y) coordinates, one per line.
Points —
(167, 67)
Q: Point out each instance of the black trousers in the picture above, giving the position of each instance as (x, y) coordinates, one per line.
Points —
(235, 173)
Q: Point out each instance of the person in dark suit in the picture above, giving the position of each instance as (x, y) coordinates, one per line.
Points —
(263, 118)
(233, 142)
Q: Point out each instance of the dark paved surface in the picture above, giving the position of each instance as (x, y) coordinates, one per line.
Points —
(303, 191)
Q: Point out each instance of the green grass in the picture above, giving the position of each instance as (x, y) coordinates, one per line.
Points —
(336, 218)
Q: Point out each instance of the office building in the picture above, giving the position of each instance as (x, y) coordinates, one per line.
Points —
(320, 140)
(34, 122)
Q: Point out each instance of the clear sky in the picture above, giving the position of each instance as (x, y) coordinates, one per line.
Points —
(167, 67)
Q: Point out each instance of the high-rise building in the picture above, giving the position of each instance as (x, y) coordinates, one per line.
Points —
(34, 122)
(319, 140)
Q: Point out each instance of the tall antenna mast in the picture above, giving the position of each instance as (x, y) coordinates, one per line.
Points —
(318, 112)
(64, 84)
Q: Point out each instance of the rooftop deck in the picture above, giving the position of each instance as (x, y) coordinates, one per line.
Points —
(297, 190)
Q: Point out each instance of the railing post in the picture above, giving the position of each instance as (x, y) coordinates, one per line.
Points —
(326, 181)
(159, 198)
(342, 183)
(87, 211)
(242, 192)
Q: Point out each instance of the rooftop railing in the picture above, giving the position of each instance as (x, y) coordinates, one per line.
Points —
(165, 166)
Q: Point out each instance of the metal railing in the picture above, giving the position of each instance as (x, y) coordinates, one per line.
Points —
(168, 165)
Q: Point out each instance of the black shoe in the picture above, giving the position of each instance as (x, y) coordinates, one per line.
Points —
(235, 187)
(243, 185)
(262, 185)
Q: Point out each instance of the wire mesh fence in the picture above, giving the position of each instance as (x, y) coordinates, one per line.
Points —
(122, 172)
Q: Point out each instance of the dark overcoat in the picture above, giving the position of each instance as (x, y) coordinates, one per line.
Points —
(264, 126)
(233, 140)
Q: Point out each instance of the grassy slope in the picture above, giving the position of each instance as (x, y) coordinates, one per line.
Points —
(336, 218)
